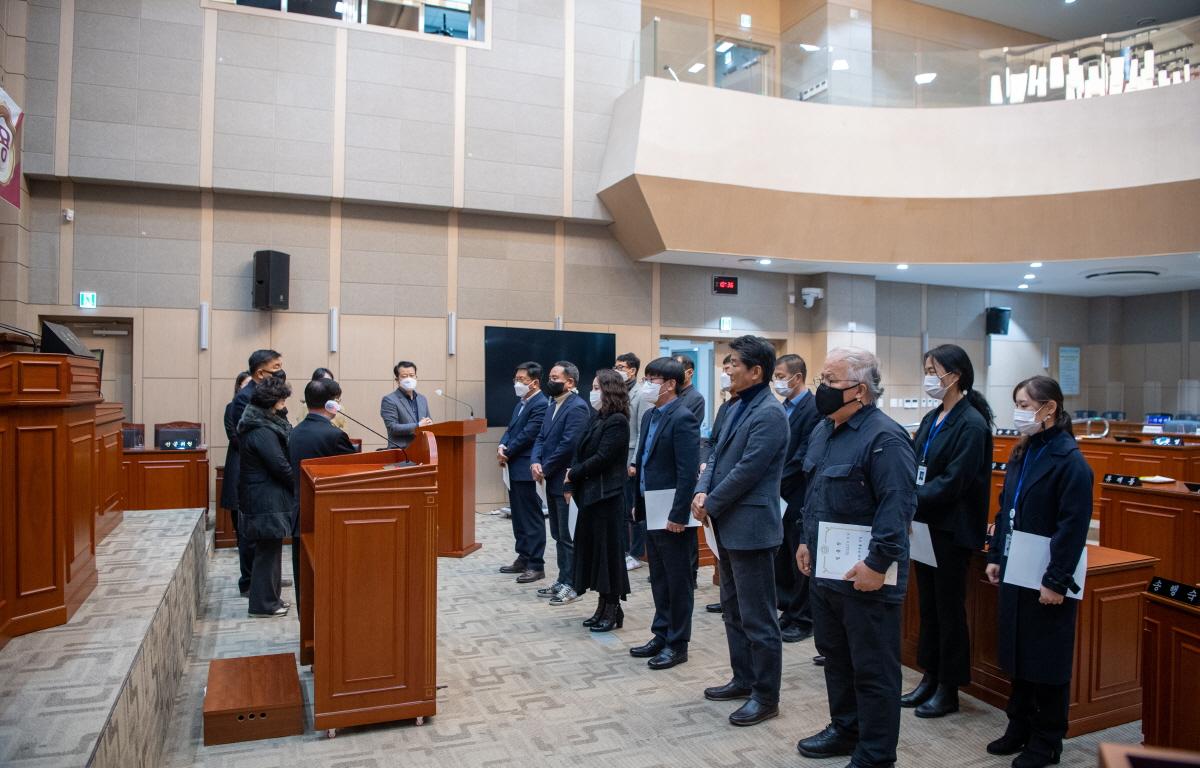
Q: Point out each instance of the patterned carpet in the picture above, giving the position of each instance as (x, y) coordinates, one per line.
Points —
(524, 684)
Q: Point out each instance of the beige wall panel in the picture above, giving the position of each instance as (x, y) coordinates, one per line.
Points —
(221, 392)
(169, 400)
(423, 341)
(361, 399)
(172, 343)
(366, 347)
(303, 340)
(1013, 361)
(234, 336)
(1133, 363)
(489, 487)
(953, 29)
(470, 348)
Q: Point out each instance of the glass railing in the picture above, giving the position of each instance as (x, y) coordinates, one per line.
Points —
(679, 48)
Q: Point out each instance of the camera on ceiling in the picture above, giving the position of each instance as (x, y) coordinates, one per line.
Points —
(809, 296)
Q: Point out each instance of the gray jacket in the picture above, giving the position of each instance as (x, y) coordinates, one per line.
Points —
(742, 477)
(401, 416)
(637, 406)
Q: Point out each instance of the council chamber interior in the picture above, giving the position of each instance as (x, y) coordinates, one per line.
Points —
(464, 185)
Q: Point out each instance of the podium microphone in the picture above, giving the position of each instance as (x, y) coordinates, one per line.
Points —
(333, 406)
(442, 393)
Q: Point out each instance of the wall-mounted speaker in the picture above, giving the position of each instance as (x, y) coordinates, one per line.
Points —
(271, 279)
(997, 320)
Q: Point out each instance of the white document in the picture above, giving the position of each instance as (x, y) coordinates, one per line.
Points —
(920, 544)
(572, 517)
(541, 491)
(1028, 558)
(658, 508)
(840, 546)
(504, 476)
(782, 507)
(710, 538)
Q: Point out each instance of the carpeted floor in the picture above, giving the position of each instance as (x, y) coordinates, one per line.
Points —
(525, 685)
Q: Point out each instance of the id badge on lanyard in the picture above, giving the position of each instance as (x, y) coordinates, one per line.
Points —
(921, 474)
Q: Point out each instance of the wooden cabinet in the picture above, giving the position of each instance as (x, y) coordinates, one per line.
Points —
(456, 479)
(1160, 520)
(110, 490)
(1171, 673)
(224, 535)
(165, 479)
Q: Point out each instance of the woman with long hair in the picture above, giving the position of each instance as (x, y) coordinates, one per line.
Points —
(1048, 493)
(596, 481)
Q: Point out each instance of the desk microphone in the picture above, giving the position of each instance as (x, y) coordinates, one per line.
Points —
(442, 393)
(333, 406)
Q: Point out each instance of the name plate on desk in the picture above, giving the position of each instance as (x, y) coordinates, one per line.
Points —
(1180, 593)
(999, 466)
(1007, 433)
(1164, 440)
(1131, 481)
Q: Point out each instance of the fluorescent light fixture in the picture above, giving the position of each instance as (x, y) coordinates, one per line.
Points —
(1035, 265)
(764, 262)
(1069, 2)
(744, 21)
(728, 59)
(997, 96)
(724, 45)
(1033, 70)
(1030, 276)
(840, 65)
(902, 266)
(809, 47)
(925, 78)
(1041, 83)
(1016, 91)
(695, 67)
(1023, 286)
(1058, 72)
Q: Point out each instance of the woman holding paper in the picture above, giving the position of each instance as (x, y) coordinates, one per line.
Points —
(596, 481)
(1045, 513)
(954, 473)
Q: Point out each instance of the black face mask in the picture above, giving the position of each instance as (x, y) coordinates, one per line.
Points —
(555, 388)
(279, 375)
(829, 399)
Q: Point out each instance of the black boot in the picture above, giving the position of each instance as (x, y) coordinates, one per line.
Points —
(612, 618)
(596, 616)
(1031, 759)
(1012, 742)
(943, 701)
(919, 695)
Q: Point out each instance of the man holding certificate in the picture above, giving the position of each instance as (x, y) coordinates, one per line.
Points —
(665, 474)
(861, 498)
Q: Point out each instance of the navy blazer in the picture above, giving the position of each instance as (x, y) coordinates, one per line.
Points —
(672, 461)
(801, 421)
(518, 439)
(401, 415)
(555, 446)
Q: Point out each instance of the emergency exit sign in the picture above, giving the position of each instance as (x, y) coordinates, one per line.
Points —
(87, 300)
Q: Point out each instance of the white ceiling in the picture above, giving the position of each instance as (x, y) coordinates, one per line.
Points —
(1059, 21)
(1178, 272)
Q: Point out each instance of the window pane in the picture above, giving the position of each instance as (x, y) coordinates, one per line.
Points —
(326, 9)
(447, 22)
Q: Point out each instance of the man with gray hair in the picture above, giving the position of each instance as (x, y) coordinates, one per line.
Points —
(861, 470)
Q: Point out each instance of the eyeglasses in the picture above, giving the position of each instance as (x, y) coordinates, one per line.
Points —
(830, 381)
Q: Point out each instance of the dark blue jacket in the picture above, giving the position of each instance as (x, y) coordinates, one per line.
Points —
(801, 421)
(313, 438)
(672, 461)
(522, 432)
(555, 446)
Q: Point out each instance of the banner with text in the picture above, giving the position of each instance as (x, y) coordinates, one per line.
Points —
(10, 149)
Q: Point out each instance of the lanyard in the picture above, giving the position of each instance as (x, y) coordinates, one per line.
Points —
(1025, 465)
(933, 431)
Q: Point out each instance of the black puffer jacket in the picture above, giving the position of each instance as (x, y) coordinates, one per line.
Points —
(265, 486)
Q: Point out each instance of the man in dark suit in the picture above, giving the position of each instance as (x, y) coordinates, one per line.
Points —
(313, 438)
(706, 446)
(739, 492)
(666, 460)
(515, 452)
(691, 398)
(262, 363)
(567, 416)
(405, 409)
(791, 586)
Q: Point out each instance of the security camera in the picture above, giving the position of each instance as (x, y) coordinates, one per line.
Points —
(809, 296)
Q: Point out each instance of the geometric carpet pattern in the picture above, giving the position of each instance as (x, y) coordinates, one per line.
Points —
(522, 684)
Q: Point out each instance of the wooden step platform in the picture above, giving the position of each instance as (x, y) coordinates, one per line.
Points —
(252, 698)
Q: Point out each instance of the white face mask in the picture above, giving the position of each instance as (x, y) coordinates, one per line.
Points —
(933, 387)
(409, 383)
(594, 397)
(651, 391)
(726, 382)
(1026, 422)
(624, 374)
(520, 388)
(780, 386)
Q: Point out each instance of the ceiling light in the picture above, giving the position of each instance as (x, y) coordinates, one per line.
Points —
(925, 78)
(840, 65)
(724, 45)
(764, 262)
(997, 92)
(1023, 286)
(1035, 265)
(1030, 276)
(902, 266)
(695, 67)
(809, 47)
(1069, 2)
(744, 21)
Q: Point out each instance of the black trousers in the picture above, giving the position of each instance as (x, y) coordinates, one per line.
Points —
(944, 650)
(245, 554)
(529, 526)
(266, 575)
(860, 640)
(1038, 712)
(751, 625)
(670, 557)
(791, 586)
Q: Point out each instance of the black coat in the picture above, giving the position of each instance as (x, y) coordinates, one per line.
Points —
(311, 439)
(266, 487)
(672, 461)
(958, 474)
(1037, 642)
(599, 470)
(233, 463)
(801, 421)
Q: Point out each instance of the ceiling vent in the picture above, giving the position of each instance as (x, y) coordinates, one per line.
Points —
(1121, 274)
(1147, 21)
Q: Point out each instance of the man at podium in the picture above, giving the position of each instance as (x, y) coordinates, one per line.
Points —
(405, 409)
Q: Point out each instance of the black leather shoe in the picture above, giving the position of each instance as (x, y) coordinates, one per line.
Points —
(651, 648)
(753, 712)
(667, 658)
(943, 701)
(919, 695)
(518, 566)
(830, 742)
(819, 661)
(529, 576)
(728, 692)
(713, 608)
(1009, 744)
(1028, 759)
(794, 634)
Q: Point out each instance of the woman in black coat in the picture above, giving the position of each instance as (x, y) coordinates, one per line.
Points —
(265, 491)
(954, 475)
(229, 487)
(1048, 492)
(596, 481)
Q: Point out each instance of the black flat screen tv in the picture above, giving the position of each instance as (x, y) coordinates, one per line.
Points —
(506, 348)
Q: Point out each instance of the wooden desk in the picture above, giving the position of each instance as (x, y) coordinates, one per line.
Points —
(224, 536)
(1171, 673)
(160, 479)
(1160, 520)
(110, 492)
(1106, 688)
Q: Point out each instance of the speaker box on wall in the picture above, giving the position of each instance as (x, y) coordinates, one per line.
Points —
(271, 280)
(997, 320)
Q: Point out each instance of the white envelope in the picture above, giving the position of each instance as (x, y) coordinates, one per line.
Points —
(920, 544)
(658, 508)
(710, 538)
(782, 507)
(541, 491)
(572, 517)
(1028, 558)
(504, 477)
(840, 546)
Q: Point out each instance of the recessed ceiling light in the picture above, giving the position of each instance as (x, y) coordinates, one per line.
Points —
(744, 21)
(761, 261)
(1030, 276)
(1035, 264)
(764, 262)
(725, 45)
(809, 47)
(1023, 286)
(840, 65)
(925, 78)
(1069, 2)
(901, 266)
(695, 68)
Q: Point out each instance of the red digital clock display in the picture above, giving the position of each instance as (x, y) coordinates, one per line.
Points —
(725, 284)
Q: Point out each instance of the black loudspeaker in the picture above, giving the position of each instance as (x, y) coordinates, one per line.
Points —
(997, 320)
(271, 280)
(61, 340)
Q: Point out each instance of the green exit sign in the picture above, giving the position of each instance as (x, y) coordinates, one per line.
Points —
(87, 300)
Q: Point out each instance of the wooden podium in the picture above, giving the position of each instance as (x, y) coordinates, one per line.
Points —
(49, 492)
(1171, 672)
(456, 484)
(368, 584)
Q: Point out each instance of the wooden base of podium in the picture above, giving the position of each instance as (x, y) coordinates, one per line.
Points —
(252, 698)
(462, 552)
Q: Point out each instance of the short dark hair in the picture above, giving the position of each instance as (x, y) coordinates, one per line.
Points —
(322, 373)
(667, 369)
(320, 391)
(261, 357)
(630, 360)
(687, 362)
(270, 391)
(570, 370)
(755, 350)
(728, 359)
(614, 396)
(533, 369)
(795, 364)
(403, 364)
(239, 381)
